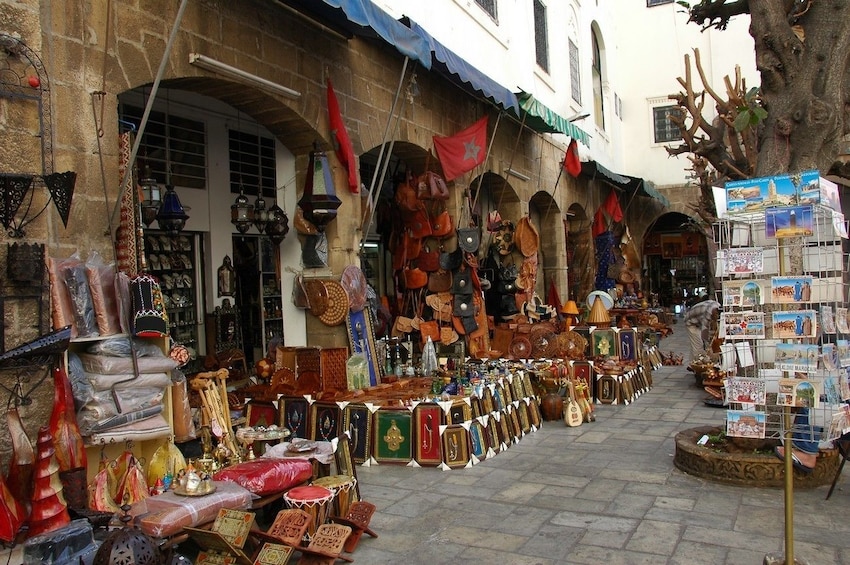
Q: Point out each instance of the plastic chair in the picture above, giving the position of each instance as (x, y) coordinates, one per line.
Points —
(843, 444)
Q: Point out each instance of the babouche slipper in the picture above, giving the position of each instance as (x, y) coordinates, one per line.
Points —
(795, 461)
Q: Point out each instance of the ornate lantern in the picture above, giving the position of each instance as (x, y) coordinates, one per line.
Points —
(150, 197)
(242, 213)
(277, 225)
(171, 215)
(261, 215)
(319, 201)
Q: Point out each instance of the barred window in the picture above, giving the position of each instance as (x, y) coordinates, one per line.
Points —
(575, 73)
(252, 163)
(174, 147)
(488, 6)
(651, 3)
(665, 130)
(541, 41)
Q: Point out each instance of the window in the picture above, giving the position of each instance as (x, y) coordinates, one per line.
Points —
(598, 100)
(252, 163)
(541, 42)
(175, 148)
(575, 77)
(651, 3)
(665, 130)
(488, 6)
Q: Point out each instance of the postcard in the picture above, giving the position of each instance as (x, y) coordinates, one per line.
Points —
(844, 384)
(791, 221)
(742, 260)
(746, 423)
(794, 323)
(741, 293)
(843, 347)
(798, 357)
(827, 320)
(829, 354)
(746, 390)
(831, 390)
(790, 290)
(841, 319)
(800, 393)
(742, 325)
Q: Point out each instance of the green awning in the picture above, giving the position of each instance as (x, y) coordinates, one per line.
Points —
(542, 119)
(626, 183)
(650, 190)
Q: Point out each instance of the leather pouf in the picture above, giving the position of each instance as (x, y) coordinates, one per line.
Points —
(552, 407)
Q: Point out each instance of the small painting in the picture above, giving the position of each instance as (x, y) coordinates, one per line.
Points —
(427, 418)
(791, 290)
(294, 415)
(478, 440)
(455, 442)
(790, 221)
(357, 421)
(392, 436)
(794, 323)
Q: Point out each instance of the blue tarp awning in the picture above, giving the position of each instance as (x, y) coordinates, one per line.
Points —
(463, 73)
(542, 119)
(364, 18)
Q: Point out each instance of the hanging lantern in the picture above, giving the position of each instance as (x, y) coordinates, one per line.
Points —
(261, 215)
(242, 213)
(277, 225)
(319, 201)
(150, 197)
(171, 215)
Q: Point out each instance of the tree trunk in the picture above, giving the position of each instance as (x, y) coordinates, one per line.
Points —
(804, 84)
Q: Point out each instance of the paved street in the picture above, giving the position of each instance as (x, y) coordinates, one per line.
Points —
(605, 492)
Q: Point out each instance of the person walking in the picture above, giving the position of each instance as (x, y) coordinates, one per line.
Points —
(701, 318)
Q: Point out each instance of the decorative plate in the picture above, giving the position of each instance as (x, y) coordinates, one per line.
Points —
(338, 305)
(354, 283)
(520, 348)
(200, 492)
(317, 296)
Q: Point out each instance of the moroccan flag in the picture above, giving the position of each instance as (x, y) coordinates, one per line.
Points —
(611, 208)
(571, 161)
(463, 151)
(344, 150)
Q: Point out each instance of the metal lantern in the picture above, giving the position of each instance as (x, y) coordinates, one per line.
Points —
(171, 215)
(242, 213)
(319, 201)
(150, 197)
(128, 545)
(277, 225)
(261, 215)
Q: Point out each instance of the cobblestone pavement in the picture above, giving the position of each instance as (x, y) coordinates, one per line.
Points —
(604, 492)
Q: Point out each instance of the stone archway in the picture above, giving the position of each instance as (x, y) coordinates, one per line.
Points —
(545, 214)
(678, 262)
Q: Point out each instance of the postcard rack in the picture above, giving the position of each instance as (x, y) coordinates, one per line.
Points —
(783, 290)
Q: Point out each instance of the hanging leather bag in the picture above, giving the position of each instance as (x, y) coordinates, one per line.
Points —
(468, 236)
(440, 281)
(405, 196)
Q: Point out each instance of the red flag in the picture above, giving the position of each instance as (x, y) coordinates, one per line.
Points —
(345, 151)
(463, 151)
(571, 160)
(611, 208)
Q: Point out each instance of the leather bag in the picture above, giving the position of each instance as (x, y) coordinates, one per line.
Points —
(429, 328)
(431, 186)
(451, 260)
(440, 281)
(414, 278)
(405, 196)
(469, 239)
(427, 260)
(418, 223)
(441, 224)
(462, 282)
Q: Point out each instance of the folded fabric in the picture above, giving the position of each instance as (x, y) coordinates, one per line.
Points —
(110, 365)
(266, 476)
(104, 405)
(123, 381)
(167, 514)
(150, 428)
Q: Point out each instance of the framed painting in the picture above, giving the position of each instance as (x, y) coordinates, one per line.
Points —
(524, 418)
(492, 430)
(534, 412)
(607, 389)
(507, 392)
(324, 421)
(478, 440)
(526, 384)
(498, 397)
(517, 387)
(583, 371)
(671, 246)
(627, 341)
(460, 412)
(603, 343)
(427, 418)
(392, 439)
(513, 419)
(455, 446)
(475, 404)
(259, 413)
(294, 415)
(361, 336)
(344, 461)
(357, 421)
(505, 430)
(487, 402)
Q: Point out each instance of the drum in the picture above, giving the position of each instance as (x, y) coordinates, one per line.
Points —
(344, 492)
(315, 500)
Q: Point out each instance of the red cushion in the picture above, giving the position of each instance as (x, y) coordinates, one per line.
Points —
(267, 476)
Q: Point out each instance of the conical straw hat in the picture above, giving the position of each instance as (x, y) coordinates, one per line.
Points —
(598, 314)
